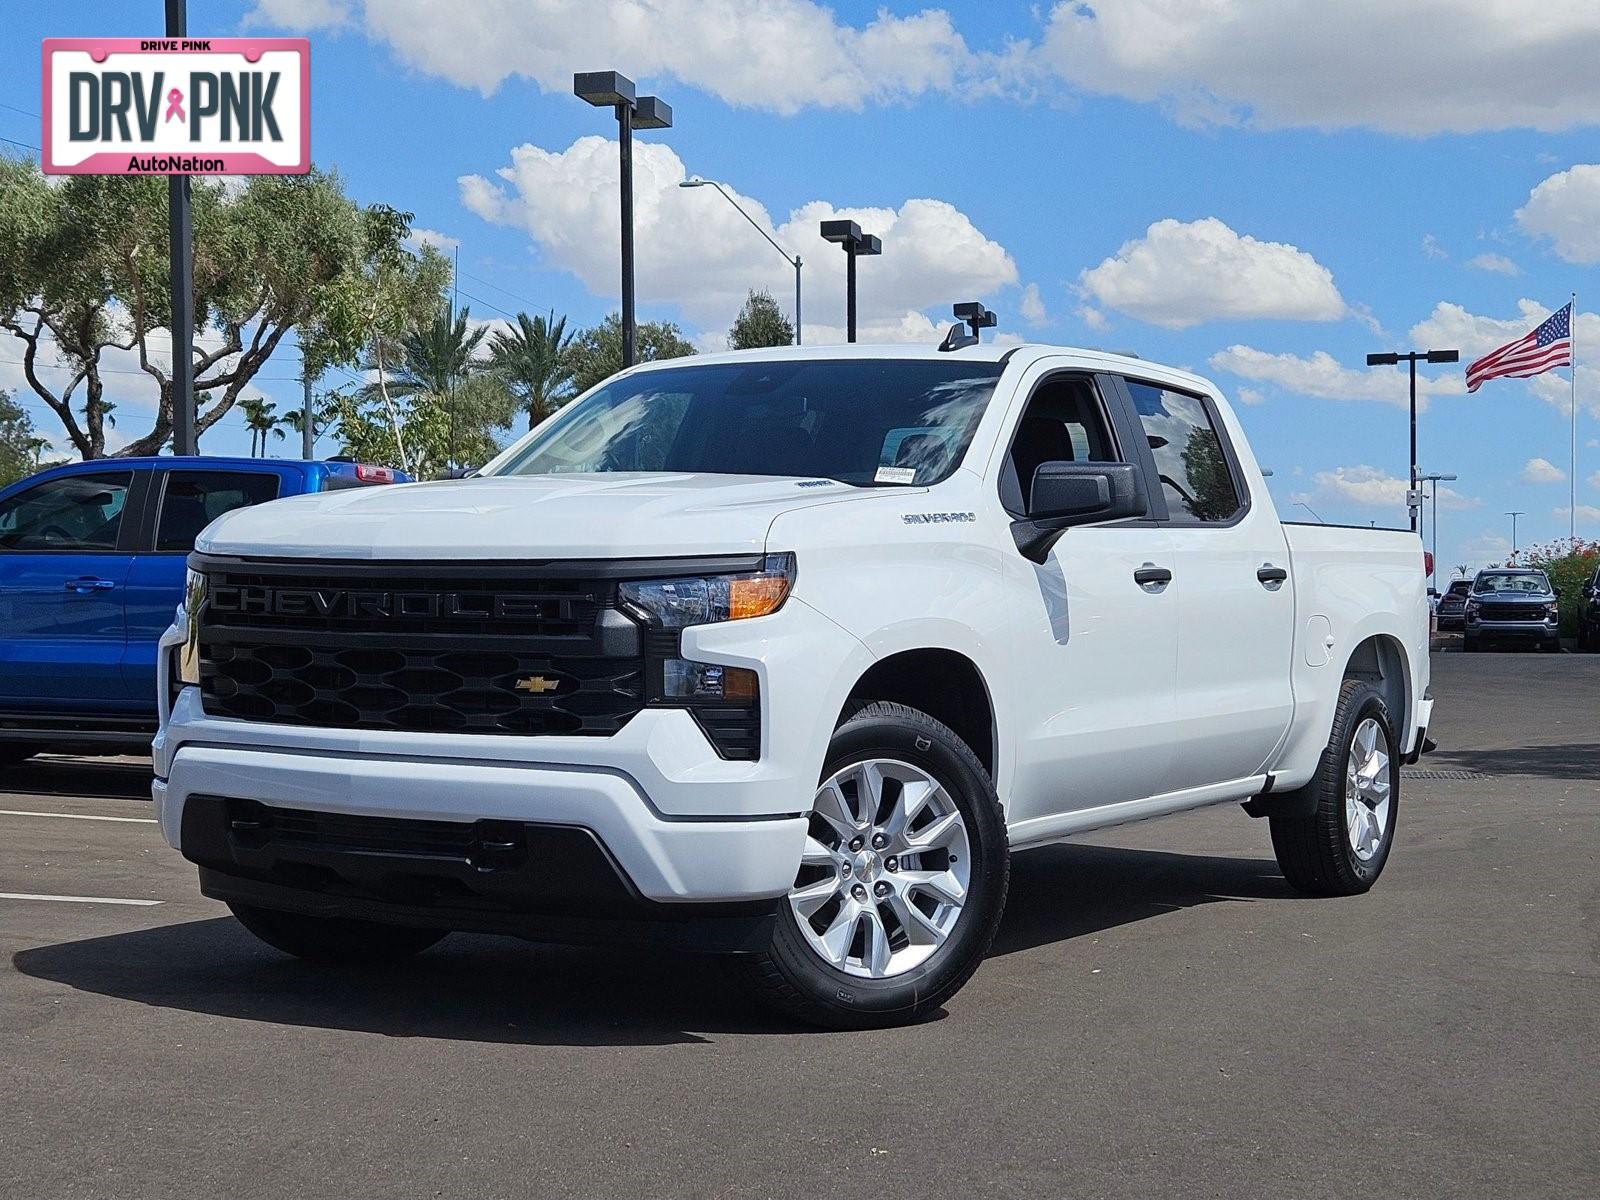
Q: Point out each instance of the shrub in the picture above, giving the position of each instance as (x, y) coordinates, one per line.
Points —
(1570, 563)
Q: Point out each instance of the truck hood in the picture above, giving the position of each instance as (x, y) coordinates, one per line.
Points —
(610, 515)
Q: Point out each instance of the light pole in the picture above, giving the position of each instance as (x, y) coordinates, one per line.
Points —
(849, 236)
(1435, 480)
(180, 279)
(608, 89)
(793, 259)
(1413, 500)
(1521, 512)
(1312, 511)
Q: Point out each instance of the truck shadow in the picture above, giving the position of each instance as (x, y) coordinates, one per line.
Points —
(1570, 760)
(96, 778)
(493, 990)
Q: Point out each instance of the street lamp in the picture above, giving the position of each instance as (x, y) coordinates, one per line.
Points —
(1521, 512)
(1435, 480)
(794, 260)
(1413, 500)
(849, 236)
(608, 89)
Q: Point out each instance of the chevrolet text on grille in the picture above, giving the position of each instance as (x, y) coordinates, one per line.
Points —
(366, 604)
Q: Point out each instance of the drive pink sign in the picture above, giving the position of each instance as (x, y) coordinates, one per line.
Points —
(177, 106)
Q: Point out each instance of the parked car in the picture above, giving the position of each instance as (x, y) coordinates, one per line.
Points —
(92, 568)
(1453, 604)
(1589, 614)
(783, 654)
(1512, 604)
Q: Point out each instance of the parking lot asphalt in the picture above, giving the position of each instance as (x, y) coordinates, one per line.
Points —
(1160, 1016)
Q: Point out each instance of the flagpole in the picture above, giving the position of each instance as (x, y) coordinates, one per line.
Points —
(1572, 511)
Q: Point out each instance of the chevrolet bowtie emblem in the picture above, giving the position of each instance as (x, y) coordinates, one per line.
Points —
(537, 684)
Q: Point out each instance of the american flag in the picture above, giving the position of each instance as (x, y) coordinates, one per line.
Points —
(1548, 346)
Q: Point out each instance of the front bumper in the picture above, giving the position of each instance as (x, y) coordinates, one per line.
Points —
(680, 828)
(1541, 631)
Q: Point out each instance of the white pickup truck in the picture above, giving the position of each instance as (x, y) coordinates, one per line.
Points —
(782, 654)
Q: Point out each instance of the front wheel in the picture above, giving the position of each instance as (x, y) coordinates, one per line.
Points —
(901, 883)
(1333, 838)
(334, 941)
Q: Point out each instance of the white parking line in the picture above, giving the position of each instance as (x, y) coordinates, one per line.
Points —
(16, 812)
(75, 899)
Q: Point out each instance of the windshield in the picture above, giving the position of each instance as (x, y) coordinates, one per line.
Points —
(868, 422)
(1513, 583)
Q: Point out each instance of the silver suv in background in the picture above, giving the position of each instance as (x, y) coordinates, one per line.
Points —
(1512, 604)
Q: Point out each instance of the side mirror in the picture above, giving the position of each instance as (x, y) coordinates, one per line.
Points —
(1070, 493)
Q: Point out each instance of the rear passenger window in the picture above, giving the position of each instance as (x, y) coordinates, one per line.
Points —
(1195, 477)
(194, 499)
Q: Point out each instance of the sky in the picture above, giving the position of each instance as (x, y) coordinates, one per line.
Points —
(1262, 191)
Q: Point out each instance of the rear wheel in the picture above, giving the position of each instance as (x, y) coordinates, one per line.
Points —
(901, 883)
(1336, 840)
(334, 941)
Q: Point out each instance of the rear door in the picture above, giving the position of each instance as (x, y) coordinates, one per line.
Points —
(1230, 566)
(65, 554)
(184, 502)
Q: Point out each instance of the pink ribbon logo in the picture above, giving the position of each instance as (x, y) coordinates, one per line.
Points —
(175, 105)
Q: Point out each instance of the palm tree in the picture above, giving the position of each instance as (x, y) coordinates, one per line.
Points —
(528, 357)
(432, 368)
(260, 415)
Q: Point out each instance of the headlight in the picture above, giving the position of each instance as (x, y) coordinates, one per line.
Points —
(194, 598)
(706, 599)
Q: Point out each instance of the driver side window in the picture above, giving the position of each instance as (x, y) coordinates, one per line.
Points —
(72, 513)
(1064, 422)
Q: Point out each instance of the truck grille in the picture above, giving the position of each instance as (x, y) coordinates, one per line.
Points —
(1511, 612)
(305, 644)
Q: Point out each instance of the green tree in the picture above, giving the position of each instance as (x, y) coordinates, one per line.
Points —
(261, 418)
(83, 265)
(438, 407)
(1214, 496)
(595, 354)
(20, 447)
(529, 357)
(760, 323)
(1570, 563)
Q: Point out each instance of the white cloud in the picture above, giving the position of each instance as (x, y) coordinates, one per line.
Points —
(1594, 480)
(1181, 274)
(1031, 306)
(1415, 68)
(1566, 209)
(1432, 248)
(299, 14)
(1542, 470)
(697, 253)
(1452, 326)
(1093, 318)
(1495, 264)
(1250, 396)
(1587, 513)
(1325, 377)
(1368, 487)
(441, 242)
(781, 55)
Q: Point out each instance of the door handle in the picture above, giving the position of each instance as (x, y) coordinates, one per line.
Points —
(1151, 575)
(86, 585)
(1271, 576)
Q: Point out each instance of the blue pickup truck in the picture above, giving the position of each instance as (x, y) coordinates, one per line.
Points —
(92, 562)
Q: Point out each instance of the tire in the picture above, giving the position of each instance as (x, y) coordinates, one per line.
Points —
(1469, 645)
(1312, 838)
(915, 969)
(334, 941)
(1553, 645)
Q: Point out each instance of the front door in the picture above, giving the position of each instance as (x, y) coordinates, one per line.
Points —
(63, 577)
(1093, 648)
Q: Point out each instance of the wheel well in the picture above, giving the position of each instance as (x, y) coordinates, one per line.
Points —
(942, 683)
(1382, 662)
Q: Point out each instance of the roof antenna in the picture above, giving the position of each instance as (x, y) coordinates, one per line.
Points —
(975, 316)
